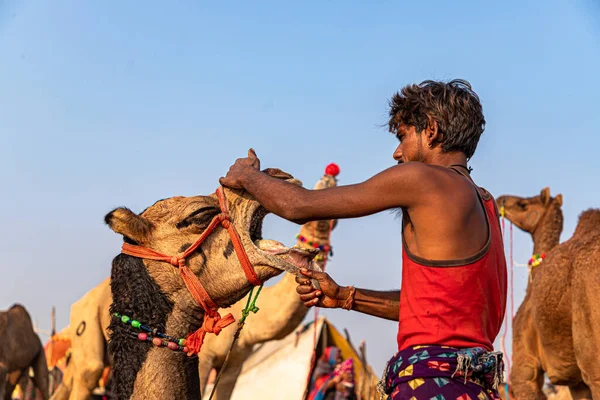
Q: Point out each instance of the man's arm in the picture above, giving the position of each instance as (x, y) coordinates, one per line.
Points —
(398, 186)
(382, 304)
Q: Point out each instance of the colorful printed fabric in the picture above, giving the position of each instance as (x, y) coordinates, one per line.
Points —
(443, 373)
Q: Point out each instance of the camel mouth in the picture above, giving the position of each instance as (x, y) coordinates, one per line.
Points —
(273, 253)
(256, 222)
(297, 256)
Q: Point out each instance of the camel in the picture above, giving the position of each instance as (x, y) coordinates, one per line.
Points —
(89, 319)
(20, 349)
(281, 310)
(153, 293)
(556, 329)
(90, 316)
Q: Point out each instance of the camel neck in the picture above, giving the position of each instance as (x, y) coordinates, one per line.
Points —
(167, 375)
(547, 234)
(138, 367)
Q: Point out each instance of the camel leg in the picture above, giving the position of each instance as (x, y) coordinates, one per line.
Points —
(586, 330)
(205, 365)
(3, 382)
(227, 382)
(63, 391)
(527, 378)
(10, 381)
(86, 380)
(580, 391)
(40, 374)
(87, 360)
(232, 371)
(527, 383)
(9, 388)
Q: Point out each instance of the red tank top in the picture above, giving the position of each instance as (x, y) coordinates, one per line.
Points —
(458, 303)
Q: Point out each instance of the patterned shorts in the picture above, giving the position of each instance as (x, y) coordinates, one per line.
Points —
(442, 373)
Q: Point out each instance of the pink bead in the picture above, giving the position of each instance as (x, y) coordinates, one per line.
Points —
(157, 342)
(142, 336)
(172, 346)
(185, 349)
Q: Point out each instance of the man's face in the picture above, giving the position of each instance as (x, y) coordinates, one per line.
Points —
(411, 145)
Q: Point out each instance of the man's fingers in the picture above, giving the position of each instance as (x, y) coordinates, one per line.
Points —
(310, 303)
(310, 296)
(305, 289)
(300, 280)
(320, 276)
(228, 182)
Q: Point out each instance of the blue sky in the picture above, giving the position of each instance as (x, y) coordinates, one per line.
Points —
(104, 104)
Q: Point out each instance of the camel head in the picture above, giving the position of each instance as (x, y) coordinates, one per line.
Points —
(527, 212)
(171, 225)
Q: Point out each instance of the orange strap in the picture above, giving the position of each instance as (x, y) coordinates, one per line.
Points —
(213, 323)
(237, 242)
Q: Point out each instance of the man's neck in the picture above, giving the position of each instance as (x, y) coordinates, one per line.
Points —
(454, 158)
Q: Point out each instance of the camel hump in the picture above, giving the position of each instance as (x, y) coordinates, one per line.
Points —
(20, 310)
(17, 306)
(589, 223)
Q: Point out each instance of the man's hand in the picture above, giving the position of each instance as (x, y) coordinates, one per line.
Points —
(329, 296)
(239, 170)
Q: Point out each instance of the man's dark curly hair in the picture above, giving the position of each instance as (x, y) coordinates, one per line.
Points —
(454, 105)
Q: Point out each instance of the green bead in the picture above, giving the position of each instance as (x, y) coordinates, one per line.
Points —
(136, 324)
(181, 342)
(125, 319)
(117, 315)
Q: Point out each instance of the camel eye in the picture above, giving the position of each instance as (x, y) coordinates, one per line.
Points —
(200, 217)
(522, 206)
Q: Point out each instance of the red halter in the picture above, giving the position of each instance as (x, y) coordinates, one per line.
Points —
(213, 323)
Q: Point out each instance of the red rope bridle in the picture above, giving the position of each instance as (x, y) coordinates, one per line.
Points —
(213, 323)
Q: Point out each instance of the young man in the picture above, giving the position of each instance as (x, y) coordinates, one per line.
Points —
(453, 296)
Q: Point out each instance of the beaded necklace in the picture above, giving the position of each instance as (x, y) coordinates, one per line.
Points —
(157, 338)
(535, 261)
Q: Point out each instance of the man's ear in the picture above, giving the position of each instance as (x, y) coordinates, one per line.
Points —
(127, 223)
(432, 133)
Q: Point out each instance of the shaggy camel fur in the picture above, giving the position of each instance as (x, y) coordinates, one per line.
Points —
(557, 328)
(154, 293)
(281, 313)
(20, 349)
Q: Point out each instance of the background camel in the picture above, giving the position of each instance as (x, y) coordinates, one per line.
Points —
(153, 292)
(556, 329)
(20, 349)
(89, 319)
(281, 310)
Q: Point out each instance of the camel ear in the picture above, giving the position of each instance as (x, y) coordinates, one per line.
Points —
(127, 223)
(277, 173)
(559, 199)
(545, 195)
